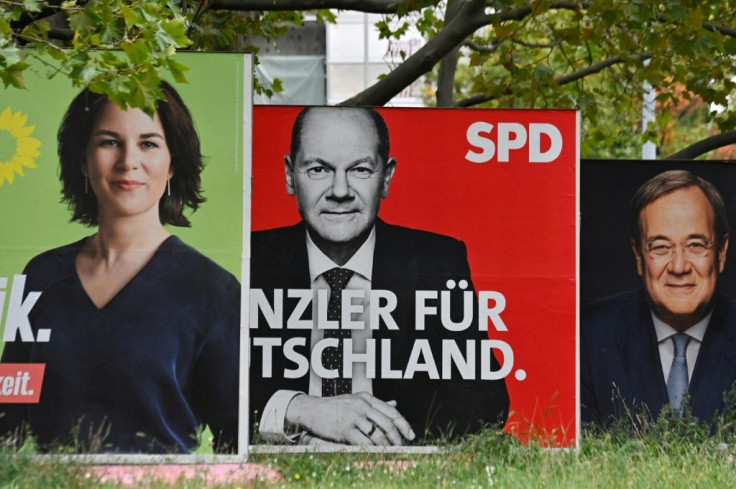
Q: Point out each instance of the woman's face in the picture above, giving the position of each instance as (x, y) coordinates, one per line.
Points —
(128, 162)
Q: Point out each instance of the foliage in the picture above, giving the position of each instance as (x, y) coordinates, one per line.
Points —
(120, 48)
(594, 56)
(147, 33)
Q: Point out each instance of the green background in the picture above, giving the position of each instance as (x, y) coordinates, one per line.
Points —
(33, 220)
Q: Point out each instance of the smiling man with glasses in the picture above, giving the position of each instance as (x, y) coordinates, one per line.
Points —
(676, 339)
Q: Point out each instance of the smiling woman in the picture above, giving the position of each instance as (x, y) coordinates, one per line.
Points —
(144, 345)
(128, 162)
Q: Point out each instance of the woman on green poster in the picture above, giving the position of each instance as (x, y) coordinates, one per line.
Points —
(144, 337)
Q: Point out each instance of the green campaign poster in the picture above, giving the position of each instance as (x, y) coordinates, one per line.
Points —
(148, 358)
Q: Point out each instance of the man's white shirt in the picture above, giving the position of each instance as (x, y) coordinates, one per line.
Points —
(272, 423)
(667, 348)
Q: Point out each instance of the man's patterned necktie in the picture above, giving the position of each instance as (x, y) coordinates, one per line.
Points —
(677, 381)
(337, 279)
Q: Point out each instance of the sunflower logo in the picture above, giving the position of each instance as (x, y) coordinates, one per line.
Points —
(17, 147)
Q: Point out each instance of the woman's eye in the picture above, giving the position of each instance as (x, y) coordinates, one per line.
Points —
(149, 145)
(108, 143)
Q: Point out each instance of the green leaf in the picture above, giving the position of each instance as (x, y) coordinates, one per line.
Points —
(57, 54)
(132, 17)
(13, 75)
(5, 29)
(177, 70)
(10, 54)
(277, 85)
(325, 16)
(33, 5)
(137, 51)
(177, 30)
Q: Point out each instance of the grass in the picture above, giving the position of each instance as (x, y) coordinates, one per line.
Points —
(665, 455)
(490, 460)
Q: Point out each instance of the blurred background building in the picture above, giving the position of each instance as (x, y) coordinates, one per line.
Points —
(327, 63)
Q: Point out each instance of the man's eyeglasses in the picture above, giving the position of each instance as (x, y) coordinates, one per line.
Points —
(693, 248)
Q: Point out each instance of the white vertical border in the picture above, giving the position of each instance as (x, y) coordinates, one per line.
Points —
(243, 398)
(578, 427)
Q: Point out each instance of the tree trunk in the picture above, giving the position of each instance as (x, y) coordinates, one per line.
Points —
(704, 145)
(448, 65)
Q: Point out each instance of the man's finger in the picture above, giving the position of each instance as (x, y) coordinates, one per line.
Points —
(389, 409)
(378, 437)
(387, 427)
(363, 428)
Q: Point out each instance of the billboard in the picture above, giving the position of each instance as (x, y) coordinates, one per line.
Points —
(413, 276)
(657, 278)
(121, 335)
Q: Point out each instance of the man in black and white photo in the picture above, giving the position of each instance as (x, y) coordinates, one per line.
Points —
(339, 169)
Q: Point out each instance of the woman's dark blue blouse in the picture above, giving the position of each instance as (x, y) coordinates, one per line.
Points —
(144, 373)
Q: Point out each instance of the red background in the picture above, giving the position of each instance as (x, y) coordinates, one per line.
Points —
(517, 220)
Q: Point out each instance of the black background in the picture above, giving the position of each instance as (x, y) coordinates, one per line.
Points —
(607, 264)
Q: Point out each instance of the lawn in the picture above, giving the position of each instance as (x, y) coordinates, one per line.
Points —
(665, 454)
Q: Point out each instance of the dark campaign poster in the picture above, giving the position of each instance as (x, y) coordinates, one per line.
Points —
(498, 191)
(657, 288)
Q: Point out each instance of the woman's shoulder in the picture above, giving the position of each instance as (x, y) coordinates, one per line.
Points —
(51, 265)
(193, 263)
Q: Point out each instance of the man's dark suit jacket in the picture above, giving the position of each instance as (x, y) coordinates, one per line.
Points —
(405, 260)
(621, 372)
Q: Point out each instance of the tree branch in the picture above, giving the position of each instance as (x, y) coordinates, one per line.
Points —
(520, 13)
(563, 80)
(704, 145)
(542, 45)
(474, 100)
(488, 48)
(368, 6)
(598, 67)
(723, 29)
(61, 34)
(493, 46)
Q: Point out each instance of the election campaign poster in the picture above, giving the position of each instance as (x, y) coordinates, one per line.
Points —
(413, 277)
(121, 263)
(657, 286)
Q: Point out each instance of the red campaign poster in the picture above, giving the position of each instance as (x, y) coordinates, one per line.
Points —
(502, 182)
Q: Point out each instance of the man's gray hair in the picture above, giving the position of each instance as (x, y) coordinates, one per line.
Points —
(668, 182)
